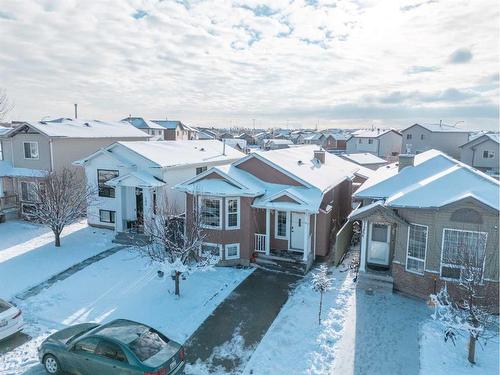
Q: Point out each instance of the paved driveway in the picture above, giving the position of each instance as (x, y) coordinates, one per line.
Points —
(228, 337)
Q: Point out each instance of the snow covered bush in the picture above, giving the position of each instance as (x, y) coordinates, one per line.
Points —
(173, 248)
(321, 283)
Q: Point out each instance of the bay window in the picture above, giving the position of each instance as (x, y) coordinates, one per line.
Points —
(417, 247)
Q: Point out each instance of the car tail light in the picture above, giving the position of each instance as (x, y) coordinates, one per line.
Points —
(17, 315)
(182, 354)
(162, 371)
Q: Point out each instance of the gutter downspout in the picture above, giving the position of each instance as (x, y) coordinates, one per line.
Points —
(51, 155)
(315, 236)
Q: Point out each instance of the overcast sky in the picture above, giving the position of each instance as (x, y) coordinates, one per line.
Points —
(336, 63)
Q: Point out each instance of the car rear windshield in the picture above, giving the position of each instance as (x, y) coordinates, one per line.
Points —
(147, 344)
(4, 306)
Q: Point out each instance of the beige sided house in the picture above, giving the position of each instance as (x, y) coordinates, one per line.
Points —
(164, 130)
(31, 150)
(419, 215)
(277, 207)
(384, 143)
(422, 137)
(482, 153)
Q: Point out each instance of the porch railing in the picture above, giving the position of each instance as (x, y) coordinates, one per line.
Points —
(260, 243)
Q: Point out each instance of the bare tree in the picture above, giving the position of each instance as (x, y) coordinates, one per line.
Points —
(61, 198)
(175, 242)
(467, 310)
(5, 105)
(321, 283)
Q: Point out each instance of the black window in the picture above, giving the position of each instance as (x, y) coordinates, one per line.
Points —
(106, 216)
(408, 136)
(104, 175)
(421, 136)
(200, 170)
(87, 345)
(370, 141)
(110, 350)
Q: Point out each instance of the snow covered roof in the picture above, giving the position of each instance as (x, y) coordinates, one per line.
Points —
(136, 179)
(76, 128)
(435, 180)
(233, 142)
(371, 133)
(485, 136)
(4, 130)
(439, 128)
(141, 123)
(314, 136)
(7, 170)
(168, 124)
(364, 158)
(178, 153)
(278, 141)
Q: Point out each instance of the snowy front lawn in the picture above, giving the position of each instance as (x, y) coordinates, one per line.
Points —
(121, 286)
(440, 358)
(28, 255)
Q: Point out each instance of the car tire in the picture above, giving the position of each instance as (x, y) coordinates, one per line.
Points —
(51, 365)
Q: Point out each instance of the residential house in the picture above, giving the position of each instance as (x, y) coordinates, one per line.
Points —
(482, 153)
(237, 143)
(275, 206)
(340, 141)
(31, 150)
(382, 143)
(314, 139)
(365, 159)
(132, 178)
(419, 215)
(297, 138)
(225, 135)
(206, 134)
(177, 131)
(276, 144)
(157, 131)
(249, 138)
(422, 137)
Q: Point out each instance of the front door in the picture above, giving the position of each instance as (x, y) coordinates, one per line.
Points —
(297, 231)
(379, 244)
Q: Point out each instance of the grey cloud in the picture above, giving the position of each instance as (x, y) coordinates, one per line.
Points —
(416, 69)
(448, 95)
(460, 56)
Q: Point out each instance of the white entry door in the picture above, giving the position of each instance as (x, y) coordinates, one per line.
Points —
(297, 231)
(379, 244)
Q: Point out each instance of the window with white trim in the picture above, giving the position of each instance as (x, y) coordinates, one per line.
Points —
(30, 150)
(200, 170)
(210, 212)
(232, 213)
(106, 216)
(1, 152)
(103, 176)
(212, 248)
(28, 192)
(281, 224)
(456, 243)
(232, 251)
(417, 247)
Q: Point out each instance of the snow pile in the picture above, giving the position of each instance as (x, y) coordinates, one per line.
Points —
(440, 358)
(233, 351)
(28, 255)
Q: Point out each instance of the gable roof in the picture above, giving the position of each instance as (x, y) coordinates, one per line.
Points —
(76, 128)
(363, 158)
(170, 154)
(439, 128)
(482, 138)
(141, 123)
(434, 181)
(372, 133)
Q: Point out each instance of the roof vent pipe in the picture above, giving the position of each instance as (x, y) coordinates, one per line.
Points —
(224, 146)
(76, 110)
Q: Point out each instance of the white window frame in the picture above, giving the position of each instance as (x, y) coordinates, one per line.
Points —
(453, 266)
(29, 185)
(218, 245)
(408, 248)
(112, 215)
(221, 206)
(233, 256)
(1, 151)
(37, 150)
(238, 213)
(287, 213)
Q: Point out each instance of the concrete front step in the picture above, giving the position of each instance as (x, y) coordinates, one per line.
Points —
(278, 264)
(271, 268)
(367, 280)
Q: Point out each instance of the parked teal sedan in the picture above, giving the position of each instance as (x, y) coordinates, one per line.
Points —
(118, 347)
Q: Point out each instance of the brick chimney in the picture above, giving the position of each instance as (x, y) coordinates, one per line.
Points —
(319, 155)
(406, 160)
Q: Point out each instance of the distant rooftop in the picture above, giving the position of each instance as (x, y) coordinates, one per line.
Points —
(440, 128)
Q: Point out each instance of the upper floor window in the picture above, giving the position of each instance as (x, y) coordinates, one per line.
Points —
(200, 170)
(30, 150)
(104, 175)
(232, 213)
(370, 141)
(210, 212)
(488, 154)
(408, 136)
(417, 246)
(360, 140)
(421, 136)
(463, 251)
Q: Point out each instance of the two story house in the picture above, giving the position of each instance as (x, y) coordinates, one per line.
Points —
(163, 130)
(419, 216)
(482, 153)
(272, 206)
(132, 178)
(422, 137)
(31, 150)
(379, 142)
